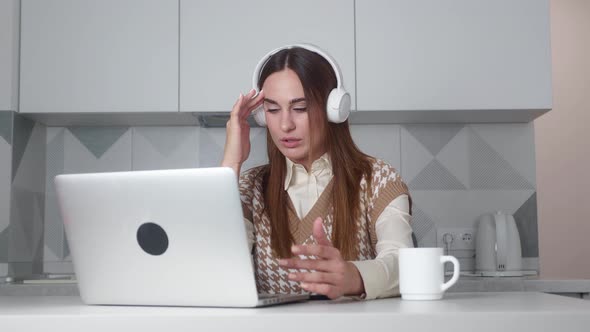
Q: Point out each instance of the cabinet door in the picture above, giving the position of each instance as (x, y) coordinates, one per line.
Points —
(453, 54)
(9, 10)
(99, 56)
(221, 41)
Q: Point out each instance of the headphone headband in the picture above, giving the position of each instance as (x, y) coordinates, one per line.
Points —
(338, 102)
(309, 47)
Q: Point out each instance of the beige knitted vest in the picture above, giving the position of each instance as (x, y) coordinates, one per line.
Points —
(270, 277)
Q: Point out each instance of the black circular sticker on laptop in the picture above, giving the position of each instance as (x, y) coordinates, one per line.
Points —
(152, 238)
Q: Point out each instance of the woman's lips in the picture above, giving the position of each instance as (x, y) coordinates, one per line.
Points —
(290, 142)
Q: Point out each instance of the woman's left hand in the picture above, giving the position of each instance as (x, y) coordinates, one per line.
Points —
(332, 276)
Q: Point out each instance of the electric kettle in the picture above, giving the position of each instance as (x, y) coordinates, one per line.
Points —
(497, 246)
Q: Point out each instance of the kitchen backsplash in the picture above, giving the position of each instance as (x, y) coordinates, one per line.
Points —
(456, 173)
(5, 185)
(22, 194)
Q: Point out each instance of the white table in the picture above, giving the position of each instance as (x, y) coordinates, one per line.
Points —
(571, 287)
(481, 312)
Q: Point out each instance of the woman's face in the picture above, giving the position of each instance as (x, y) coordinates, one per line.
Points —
(286, 112)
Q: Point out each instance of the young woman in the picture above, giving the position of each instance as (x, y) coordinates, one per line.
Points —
(322, 216)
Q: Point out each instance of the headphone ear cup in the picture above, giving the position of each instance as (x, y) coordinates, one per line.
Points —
(338, 106)
(258, 114)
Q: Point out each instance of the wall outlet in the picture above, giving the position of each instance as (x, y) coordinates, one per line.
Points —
(460, 238)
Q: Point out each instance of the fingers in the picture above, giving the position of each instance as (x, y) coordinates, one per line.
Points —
(317, 277)
(321, 251)
(319, 234)
(246, 104)
(250, 94)
(330, 291)
(313, 264)
(259, 95)
(251, 103)
(247, 100)
(235, 111)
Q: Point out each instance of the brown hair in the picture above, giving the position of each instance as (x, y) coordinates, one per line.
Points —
(349, 164)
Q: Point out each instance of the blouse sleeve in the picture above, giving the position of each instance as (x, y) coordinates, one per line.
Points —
(393, 230)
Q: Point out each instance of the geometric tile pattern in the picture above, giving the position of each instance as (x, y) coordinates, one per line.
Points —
(6, 126)
(212, 141)
(463, 208)
(5, 186)
(78, 150)
(467, 159)
(515, 142)
(489, 170)
(27, 175)
(434, 136)
(98, 139)
(422, 224)
(22, 130)
(87, 156)
(429, 239)
(165, 140)
(456, 172)
(25, 248)
(455, 156)
(414, 156)
(435, 177)
(4, 241)
(381, 141)
(526, 221)
(164, 148)
(5, 182)
(54, 237)
(26, 228)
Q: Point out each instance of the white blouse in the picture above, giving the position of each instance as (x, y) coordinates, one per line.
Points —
(380, 275)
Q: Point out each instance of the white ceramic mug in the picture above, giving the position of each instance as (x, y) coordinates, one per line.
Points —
(421, 273)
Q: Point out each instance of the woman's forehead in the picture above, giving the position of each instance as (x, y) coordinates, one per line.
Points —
(283, 86)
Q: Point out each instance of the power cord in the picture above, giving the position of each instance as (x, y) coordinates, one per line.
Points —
(447, 240)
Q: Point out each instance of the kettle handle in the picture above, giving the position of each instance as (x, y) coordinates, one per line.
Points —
(501, 241)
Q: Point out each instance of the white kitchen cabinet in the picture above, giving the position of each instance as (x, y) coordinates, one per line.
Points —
(9, 22)
(221, 41)
(432, 55)
(99, 56)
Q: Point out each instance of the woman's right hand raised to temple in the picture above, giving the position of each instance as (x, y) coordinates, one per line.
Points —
(237, 140)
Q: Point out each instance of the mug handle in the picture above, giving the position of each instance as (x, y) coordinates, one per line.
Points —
(443, 260)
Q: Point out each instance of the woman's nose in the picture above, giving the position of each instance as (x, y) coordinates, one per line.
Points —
(287, 123)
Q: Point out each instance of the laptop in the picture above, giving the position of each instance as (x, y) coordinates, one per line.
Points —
(164, 237)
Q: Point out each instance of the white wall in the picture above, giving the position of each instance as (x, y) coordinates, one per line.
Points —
(562, 141)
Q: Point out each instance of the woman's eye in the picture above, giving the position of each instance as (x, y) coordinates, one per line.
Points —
(272, 110)
(300, 109)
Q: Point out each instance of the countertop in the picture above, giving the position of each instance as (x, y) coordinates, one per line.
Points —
(489, 311)
(522, 284)
(579, 287)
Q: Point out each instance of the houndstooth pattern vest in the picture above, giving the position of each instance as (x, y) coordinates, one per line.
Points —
(270, 277)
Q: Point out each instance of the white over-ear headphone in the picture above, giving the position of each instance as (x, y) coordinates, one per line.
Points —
(338, 105)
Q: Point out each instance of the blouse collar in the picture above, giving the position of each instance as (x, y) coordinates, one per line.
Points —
(321, 164)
